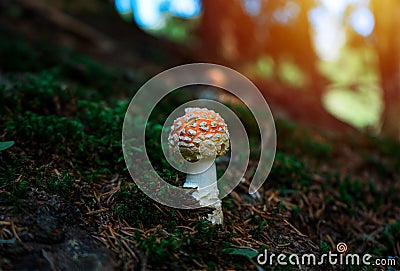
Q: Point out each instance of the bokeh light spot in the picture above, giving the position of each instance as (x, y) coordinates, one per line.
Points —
(185, 8)
(287, 14)
(123, 6)
(362, 21)
(148, 14)
(152, 14)
(252, 7)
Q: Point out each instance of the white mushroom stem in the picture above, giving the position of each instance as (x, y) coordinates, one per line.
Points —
(207, 188)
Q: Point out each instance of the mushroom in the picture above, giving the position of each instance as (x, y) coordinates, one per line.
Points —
(200, 136)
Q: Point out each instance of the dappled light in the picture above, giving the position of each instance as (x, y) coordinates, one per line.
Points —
(152, 14)
(159, 17)
(311, 46)
(328, 33)
(354, 94)
(291, 75)
(287, 13)
(362, 21)
(252, 7)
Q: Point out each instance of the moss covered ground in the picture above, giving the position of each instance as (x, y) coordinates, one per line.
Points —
(67, 201)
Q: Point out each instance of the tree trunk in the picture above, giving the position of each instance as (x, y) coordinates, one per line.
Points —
(387, 16)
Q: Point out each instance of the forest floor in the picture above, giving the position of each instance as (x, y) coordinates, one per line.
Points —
(67, 201)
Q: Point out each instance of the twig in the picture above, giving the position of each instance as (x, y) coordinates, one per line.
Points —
(14, 231)
(295, 229)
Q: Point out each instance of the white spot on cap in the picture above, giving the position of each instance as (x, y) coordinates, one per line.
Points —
(203, 126)
(183, 144)
(192, 132)
(197, 141)
(178, 124)
(185, 138)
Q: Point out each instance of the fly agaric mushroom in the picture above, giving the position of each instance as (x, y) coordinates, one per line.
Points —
(200, 136)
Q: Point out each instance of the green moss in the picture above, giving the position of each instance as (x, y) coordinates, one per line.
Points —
(357, 194)
(295, 211)
(14, 186)
(45, 130)
(391, 234)
(41, 113)
(61, 184)
(388, 148)
(383, 168)
(160, 250)
(324, 247)
(298, 141)
(289, 172)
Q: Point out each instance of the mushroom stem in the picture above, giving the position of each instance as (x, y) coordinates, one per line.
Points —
(207, 189)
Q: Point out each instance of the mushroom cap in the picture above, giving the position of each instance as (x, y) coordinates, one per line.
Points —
(200, 133)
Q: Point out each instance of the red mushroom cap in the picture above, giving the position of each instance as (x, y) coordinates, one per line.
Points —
(200, 133)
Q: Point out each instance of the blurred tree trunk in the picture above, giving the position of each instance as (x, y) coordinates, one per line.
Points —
(227, 32)
(387, 17)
